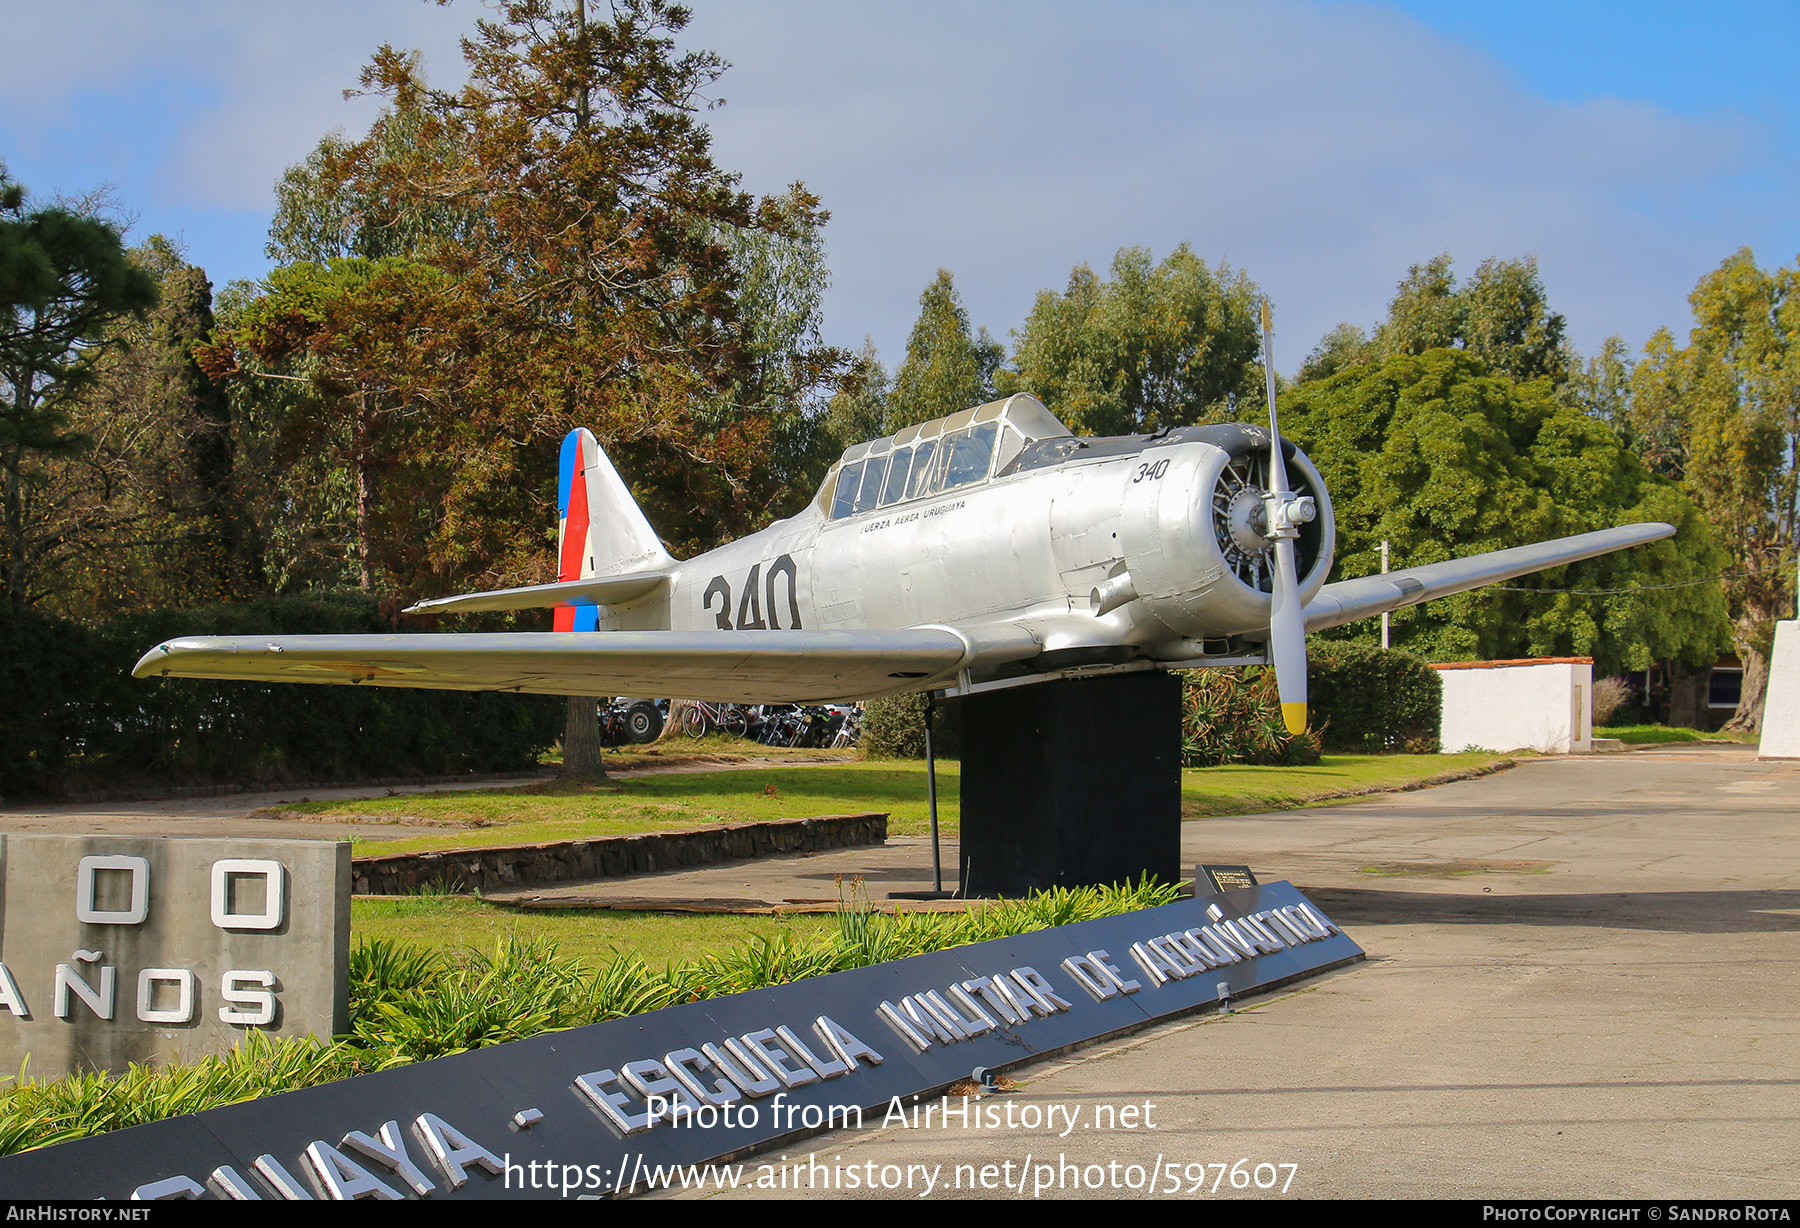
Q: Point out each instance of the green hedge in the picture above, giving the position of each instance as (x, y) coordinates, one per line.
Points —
(894, 728)
(74, 715)
(1373, 699)
(1362, 699)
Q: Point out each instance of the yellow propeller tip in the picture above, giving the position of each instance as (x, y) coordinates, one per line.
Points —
(1294, 717)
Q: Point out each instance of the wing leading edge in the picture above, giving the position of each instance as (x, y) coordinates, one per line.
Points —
(1348, 600)
(738, 666)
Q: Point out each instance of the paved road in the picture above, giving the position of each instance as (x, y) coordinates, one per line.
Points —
(1583, 980)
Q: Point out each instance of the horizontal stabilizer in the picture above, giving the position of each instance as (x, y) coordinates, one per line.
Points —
(737, 666)
(1348, 600)
(597, 590)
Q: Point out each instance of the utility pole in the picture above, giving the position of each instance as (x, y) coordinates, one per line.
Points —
(1384, 567)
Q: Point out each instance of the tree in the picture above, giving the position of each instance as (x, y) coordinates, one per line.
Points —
(593, 284)
(361, 339)
(1723, 415)
(323, 211)
(64, 280)
(859, 408)
(1338, 350)
(1158, 346)
(150, 512)
(1601, 387)
(597, 269)
(787, 371)
(947, 369)
(1441, 458)
(1502, 316)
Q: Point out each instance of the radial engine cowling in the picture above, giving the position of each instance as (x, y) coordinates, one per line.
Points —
(1194, 532)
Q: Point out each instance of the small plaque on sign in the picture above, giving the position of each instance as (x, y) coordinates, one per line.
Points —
(1228, 878)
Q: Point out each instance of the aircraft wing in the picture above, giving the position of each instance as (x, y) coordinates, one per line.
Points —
(737, 666)
(1348, 600)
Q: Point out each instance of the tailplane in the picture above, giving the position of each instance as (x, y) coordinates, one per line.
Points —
(606, 551)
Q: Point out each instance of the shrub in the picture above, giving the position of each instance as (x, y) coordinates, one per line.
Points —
(894, 728)
(1610, 694)
(1234, 716)
(1374, 699)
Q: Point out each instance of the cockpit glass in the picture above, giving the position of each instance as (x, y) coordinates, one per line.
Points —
(899, 464)
(970, 452)
(843, 502)
(874, 470)
(923, 470)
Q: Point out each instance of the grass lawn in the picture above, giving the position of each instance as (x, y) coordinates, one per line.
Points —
(1644, 735)
(1206, 792)
(554, 811)
(558, 811)
(592, 936)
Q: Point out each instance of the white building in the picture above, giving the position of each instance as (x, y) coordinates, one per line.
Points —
(1545, 705)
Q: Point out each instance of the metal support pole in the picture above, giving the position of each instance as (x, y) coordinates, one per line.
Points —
(937, 891)
(937, 865)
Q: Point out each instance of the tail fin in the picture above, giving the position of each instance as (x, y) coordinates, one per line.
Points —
(601, 529)
(607, 553)
(603, 532)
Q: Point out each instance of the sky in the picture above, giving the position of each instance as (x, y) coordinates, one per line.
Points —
(1321, 146)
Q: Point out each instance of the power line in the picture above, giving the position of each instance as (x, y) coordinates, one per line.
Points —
(1605, 592)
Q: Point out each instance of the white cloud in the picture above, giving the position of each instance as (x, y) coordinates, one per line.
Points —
(1323, 149)
(222, 95)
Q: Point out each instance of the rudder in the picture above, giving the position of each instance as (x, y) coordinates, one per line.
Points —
(601, 530)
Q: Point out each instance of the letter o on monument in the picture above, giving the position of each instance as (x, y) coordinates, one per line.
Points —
(134, 914)
(183, 1010)
(274, 894)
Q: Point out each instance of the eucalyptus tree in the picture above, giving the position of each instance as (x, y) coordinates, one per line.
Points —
(1501, 316)
(1722, 414)
(1159, 345)
(948, 367)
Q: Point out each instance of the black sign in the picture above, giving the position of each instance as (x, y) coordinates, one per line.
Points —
(601, 1109)
(1227, 878)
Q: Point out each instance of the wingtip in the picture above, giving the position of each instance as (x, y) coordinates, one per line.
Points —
(150, 664)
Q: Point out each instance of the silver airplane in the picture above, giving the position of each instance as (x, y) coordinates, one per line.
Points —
(989, 548)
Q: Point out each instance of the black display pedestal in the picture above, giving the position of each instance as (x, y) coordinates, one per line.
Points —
(1071, 784)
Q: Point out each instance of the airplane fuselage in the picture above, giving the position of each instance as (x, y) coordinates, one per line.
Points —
(1124, 544)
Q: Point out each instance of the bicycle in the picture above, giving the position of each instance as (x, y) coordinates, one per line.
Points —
(703, 717)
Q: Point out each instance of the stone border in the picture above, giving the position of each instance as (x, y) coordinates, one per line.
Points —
(560, 861)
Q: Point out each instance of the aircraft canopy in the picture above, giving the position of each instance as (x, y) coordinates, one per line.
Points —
(937, 455)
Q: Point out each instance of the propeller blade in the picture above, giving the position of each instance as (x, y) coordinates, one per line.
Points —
(1287, 639)
(1278, 483)
(1287, 618)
